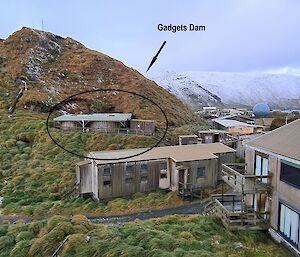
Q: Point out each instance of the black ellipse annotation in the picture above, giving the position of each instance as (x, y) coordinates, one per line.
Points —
(182, 27)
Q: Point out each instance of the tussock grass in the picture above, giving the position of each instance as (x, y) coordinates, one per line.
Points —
(168, 236)
(36, 175)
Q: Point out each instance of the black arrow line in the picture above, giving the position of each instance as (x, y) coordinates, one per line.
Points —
(155, 57)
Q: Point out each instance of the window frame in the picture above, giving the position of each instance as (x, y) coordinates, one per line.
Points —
(103, 171)
(164, 164)
(203, 172)
(262, 158)
(127, 171)
(144, 179)
(129, 180)
(282, 233)
(144, 170)
(284, 179)
(108, 184)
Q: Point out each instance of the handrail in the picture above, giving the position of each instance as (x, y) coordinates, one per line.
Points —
(59, 247)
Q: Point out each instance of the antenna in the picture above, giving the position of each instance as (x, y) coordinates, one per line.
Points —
(42, 24)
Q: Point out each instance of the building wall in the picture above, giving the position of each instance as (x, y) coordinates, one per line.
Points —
(69, 125)
(192, 140)
(240, 130)
(143, 126)
(123, 183)
(210, 173)
(87, 178)
(281, 192)
(104, 125)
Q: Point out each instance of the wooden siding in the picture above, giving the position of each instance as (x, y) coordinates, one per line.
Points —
(68, 125)
(123, 183)
(145, 126)
(105, 125)
(210, 173)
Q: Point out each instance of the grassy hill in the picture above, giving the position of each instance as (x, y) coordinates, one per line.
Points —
(36, 176)
(168, 236)
(55, 68)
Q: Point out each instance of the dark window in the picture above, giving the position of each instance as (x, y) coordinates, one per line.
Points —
(144, 167)
(144, 179)
(200, 172)
(163, 175)
(106, 183)
(106, 171)
(290, 174)
(163, 165)
(129, 180)
(129, 168)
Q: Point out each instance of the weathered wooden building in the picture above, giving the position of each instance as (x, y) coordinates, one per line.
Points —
(188, 140)
(186, 169)
(120, 123)
(236, 128)
(140, 126)
(266, 189)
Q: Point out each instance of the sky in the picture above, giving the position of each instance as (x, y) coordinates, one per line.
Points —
(240, 36)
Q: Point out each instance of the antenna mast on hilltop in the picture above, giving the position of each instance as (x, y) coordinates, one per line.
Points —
(42, 24)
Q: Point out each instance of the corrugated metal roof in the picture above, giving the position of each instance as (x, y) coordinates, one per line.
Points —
(177, 153)
(284, 140)
(95, 117)
(233, 123)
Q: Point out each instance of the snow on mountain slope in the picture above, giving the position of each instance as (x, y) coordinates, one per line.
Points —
(187, 90)
(236, 89)
(279, 91)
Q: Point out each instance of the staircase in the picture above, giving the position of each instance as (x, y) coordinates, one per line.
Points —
(209, 208)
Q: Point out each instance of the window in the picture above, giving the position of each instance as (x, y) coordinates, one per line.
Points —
(290, 174)
(129, 168)
(144, 179)
(129, 180)
(163, 175)
(200, 172)
(106, 183)
(144, 168)
(289, 224)
(163, 165)
(106, 171)
(262, 166)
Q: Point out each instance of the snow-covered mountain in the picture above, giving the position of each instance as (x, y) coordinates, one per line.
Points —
(236, 89)
(187, 90)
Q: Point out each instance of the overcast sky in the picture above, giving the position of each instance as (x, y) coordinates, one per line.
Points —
(240, 36)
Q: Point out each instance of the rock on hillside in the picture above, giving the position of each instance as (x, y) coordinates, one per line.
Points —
(54, 68)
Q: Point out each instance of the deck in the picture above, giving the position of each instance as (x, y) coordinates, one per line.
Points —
(243, 183)
(235, 215)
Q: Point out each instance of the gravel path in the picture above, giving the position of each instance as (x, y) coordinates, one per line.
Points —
(192, 208)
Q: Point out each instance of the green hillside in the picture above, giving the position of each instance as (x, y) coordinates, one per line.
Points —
(36, 176)
(170, 236)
